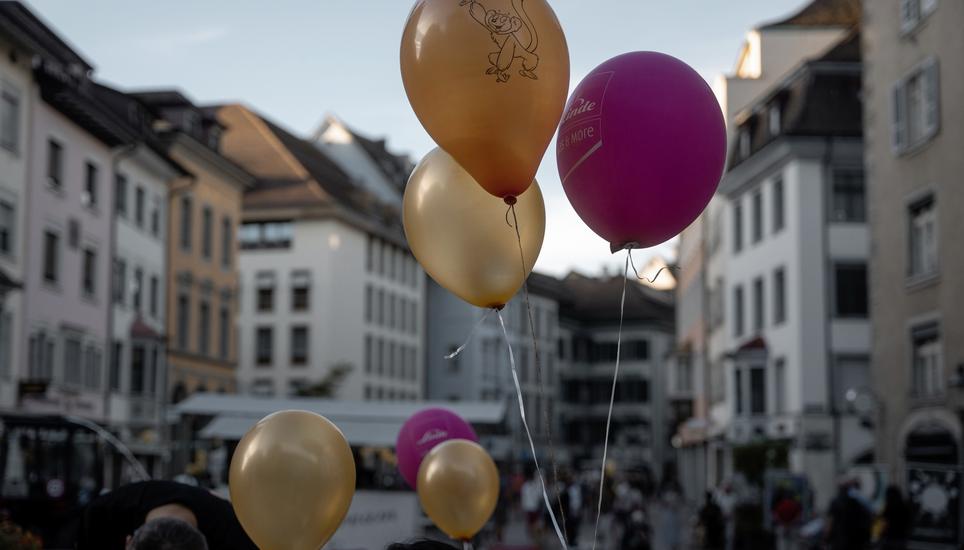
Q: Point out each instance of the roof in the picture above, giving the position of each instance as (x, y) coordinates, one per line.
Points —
(822, 13)
(596, 301)
(375, 423)
(295, 174)
(25, 28)
(820, 98)
(74, 99)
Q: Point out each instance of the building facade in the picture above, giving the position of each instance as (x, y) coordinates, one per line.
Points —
(914, 122)
(333, 301)
(204, 212)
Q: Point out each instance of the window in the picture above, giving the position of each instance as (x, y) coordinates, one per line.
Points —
(51, 257)
(139, 206)
(717, 298)
(369, 293)
(89, 284)
(207, 232)
(780, 385)
(262, 387)
(264, 345)
(92, 357)
(738, 311)
(183, 320)
(737, 226)
(8, 222)
(299, 345)
(368, 353)
(779, 296)
(186, 209)
(380, 356)
(757, 215)
(774, 119)
(684, 374)
(55, 164)
(120, 195)
(116, 359)
(265, 288)
(923, 258)
(758, 305)
(916, 107)
(137, 299)
(738, 387)
(224, 336)
(90, 196)
(928, 360)
(9, 118)
(758, 391)
(300, 290)
(204, 328)
(154, 297)
(778, 212)
(138, 368)
(848, 197)
(913, 12)
(851, 290)
(275, 234)
(227, 242)
(120, 281)
(381, 309)
(744, 142)
(73, 360)
(156, 218)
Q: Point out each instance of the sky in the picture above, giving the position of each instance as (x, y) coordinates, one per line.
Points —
(296, 61)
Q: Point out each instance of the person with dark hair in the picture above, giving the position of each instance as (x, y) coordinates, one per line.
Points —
(713, 524)
(109, 519)
(895, 517)
(167, 534)
(424, 544)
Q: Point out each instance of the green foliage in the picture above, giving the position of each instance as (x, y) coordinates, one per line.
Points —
(755, 459)
(328, 386)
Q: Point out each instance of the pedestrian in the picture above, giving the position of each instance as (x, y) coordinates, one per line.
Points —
(670, 527)
(895, 520)
(712, 524)
(848, 521)
(726, 498)
(110, 519)
(532, 505)
(166, 534)
(574, 515)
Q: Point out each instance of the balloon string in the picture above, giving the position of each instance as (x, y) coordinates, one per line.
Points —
(525, 424)
(612, 399)
(540, 378)
(468, 339)
(655, 277)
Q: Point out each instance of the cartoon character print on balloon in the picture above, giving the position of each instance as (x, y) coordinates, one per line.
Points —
(505, 30)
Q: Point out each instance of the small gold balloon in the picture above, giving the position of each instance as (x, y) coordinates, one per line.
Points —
(292, 479)
(488, 79)
(459, 234)
(458, 486)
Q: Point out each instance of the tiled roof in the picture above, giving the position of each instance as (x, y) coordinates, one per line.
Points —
(822, 13)
(25, 28)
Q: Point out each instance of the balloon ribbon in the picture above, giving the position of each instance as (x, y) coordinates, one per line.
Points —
(539, 373)
(612, 399)
(468, 339)
(525, 424)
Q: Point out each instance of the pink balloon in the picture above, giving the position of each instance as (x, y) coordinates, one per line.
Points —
(641, 148)
(422, 432)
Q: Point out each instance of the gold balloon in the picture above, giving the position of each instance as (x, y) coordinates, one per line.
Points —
(488, 79)
(292, 480)
(459, 234)
(458, 486)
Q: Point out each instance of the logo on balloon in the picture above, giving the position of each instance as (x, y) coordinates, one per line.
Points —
(509, 30)
(432, 436)
(580, 134)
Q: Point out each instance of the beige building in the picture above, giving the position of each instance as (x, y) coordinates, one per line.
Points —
(202, 274)
(914, 125)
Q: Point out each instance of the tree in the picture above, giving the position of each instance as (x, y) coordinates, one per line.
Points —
(328, 386)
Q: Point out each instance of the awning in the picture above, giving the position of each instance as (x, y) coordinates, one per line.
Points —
(358, 434)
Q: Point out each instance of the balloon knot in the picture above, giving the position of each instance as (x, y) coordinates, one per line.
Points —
(499, 307)
(511, 200)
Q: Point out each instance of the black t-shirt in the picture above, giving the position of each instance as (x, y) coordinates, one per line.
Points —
(110, 518)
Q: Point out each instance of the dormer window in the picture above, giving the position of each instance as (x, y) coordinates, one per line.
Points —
(214, 137)
(775, 119)
(744, 142)
(192, 123)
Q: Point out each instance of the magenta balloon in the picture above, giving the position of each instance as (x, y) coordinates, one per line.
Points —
(641, 148)
(422, 432)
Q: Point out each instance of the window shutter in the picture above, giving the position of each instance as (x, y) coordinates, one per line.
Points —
(908, 12)
(927, 7)
(932, 98)
(899, 118)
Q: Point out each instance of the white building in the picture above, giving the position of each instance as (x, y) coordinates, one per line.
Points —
(330, 292)
(768, 54)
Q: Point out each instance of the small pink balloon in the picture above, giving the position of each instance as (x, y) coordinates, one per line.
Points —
(641, 148)
(422, 432)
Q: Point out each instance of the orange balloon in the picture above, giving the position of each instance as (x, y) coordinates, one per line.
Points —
(488, 79)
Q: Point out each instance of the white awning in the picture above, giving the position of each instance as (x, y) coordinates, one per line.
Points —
(358, 434)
